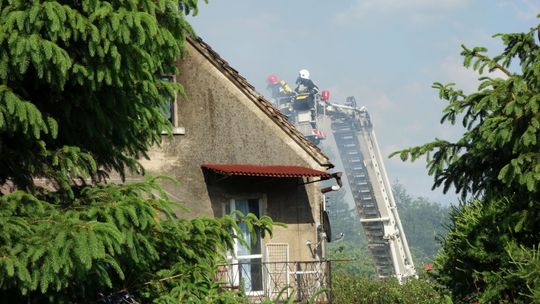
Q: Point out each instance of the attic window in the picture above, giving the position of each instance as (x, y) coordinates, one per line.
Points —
(170, 109)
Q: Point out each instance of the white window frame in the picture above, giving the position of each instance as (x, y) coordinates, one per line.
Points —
(234, 258)
(174, 110)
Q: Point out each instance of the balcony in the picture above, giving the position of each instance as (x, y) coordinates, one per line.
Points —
(278, 281)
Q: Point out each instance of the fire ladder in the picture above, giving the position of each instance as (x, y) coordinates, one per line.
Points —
(355, 140)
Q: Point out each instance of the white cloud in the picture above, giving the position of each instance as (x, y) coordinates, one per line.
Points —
(414, 87)
(451, 44)
(260, 22)
(417, 11)
(523, 9)
(451, 69)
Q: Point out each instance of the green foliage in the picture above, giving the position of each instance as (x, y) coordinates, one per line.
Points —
(423, 221)
(526, 270)
(291, 298)
(480, 258)
(350, 258)
(351, 254)
(81, 94)
(502, 125)
(190, 253)
(497, 162)
(85, 74)
(343, 218)
(351, 289)
(111, 237)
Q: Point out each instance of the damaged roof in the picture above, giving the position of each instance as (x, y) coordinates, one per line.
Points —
(273, 113)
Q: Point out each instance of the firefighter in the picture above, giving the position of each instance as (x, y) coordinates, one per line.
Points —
(282, 94)
(278, 88)
(305, 89)
(272, 84)
(304, 84)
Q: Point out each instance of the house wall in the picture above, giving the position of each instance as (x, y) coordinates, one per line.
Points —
(222, 125)
(284, 200)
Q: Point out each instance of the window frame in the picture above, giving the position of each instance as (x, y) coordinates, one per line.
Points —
(234, 259)
(176, 130)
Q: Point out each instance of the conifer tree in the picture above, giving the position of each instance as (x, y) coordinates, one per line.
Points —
(81, 96)
(424, 222)
(490, 252)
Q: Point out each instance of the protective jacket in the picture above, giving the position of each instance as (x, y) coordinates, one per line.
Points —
(305, 86)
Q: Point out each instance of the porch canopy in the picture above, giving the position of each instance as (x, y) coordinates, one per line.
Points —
(280, 171)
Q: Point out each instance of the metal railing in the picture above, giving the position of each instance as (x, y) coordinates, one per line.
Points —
(278, 281)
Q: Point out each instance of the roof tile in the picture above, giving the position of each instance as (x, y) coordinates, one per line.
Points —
(266, 171)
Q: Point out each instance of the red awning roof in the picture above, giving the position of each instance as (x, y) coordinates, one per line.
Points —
(267, 171)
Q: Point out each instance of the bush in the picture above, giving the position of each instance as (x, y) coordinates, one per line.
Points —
(358, 290)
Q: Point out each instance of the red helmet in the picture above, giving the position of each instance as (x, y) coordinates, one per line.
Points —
(272, 79)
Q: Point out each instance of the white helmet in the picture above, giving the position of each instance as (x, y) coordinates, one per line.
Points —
(303, 74)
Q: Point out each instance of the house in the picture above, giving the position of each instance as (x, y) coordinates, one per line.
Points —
(231, 150)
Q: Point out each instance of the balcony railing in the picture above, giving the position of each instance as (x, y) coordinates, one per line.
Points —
(278, 281)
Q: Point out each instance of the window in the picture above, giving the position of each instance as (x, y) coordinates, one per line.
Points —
(169, 109)
(246, 259)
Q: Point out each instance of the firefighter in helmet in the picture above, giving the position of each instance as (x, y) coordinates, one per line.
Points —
(278, 88)
(282, 94)
(305, 89)
(272, 84)
(304, 84)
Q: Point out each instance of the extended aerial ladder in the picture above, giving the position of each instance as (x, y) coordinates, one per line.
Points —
(363, 164)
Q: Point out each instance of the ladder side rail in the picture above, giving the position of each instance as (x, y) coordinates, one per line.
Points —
(391, 232)
(398, 252)
(360, 188)
(393, 206)
(404, 266)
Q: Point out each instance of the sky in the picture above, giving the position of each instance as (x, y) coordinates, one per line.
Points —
(385, 53)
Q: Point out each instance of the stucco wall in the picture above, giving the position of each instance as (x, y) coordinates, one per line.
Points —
(222, 125)
(282, 199)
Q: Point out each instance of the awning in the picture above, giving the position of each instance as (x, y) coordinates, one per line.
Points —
(266, 171)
